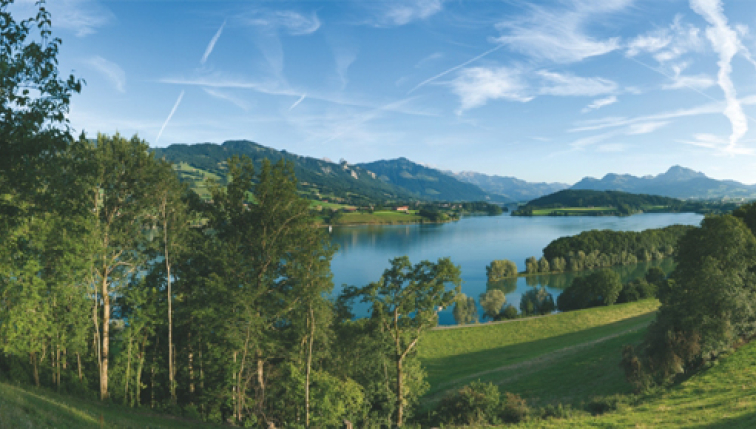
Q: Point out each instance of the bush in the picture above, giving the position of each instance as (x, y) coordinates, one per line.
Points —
(500, 269)
(596, 289)
(509, 312)
(556, 412)
(602, 404)
(476, 403)
(515, 409)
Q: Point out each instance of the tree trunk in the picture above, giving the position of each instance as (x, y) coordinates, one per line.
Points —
(128, 371)
(399, 393)
(105, 339)
(171, 372)
(191, 364)
(33, 358)
(309, 366)
(78, 362)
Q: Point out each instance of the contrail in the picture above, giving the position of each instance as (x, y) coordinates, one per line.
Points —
(296, 103)
(457, 67)
(175, 106)
(211, 45)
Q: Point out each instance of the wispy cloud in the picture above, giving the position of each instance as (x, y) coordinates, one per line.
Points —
(296, 103)
(83, 17)
(667, 44)
(289, 21)
(227, 97)
(646, 127)
(599, 103)
(455, 68)
(220, 81)
(112, 71)
(559, 34)
(562, 84)
(726, 43)
(614, 122)
(718, 144)
(211, 45)
(475, 86)
(170, 115)
(395, 13)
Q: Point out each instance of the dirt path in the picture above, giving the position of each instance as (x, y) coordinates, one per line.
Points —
(527, 367)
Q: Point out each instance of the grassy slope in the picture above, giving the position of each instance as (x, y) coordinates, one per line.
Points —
(454, 357)
(36, 408)
(722, 397)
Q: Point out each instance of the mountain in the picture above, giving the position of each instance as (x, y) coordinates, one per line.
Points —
(510, 187)
(317, 178)
(677, 182)
(427, 182)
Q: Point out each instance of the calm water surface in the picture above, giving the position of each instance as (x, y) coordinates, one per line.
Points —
(472, 243)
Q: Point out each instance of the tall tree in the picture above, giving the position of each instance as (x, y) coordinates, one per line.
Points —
(406, 301)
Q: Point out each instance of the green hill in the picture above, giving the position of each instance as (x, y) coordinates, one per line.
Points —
(570, 201)
(318, 179)
(428, 183)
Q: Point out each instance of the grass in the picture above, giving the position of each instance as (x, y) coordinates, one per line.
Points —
(721, 397)
(492, 352)
(379, 217)
(37, 408)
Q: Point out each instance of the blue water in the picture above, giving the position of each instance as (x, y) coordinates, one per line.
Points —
(472, 243)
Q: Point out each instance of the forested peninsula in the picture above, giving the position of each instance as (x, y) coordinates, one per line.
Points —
(573, 202)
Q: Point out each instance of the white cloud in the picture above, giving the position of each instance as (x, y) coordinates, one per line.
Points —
(559, 35)
(726, 43)
(81, 16)
(570, 85)
(645, 127)
(291, 22)
(211, 45)
(718, 144)
(296, 103)
(402, 12)
(699, 82)
(599, 103)
(475, 86)
(112, 72)
(667, 44)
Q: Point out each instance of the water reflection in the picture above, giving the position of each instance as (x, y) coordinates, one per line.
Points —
(365, 251)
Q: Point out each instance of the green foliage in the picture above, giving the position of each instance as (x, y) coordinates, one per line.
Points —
(598, 288)
(515, 408)
(475, 404)
(500, 269)
(536, 302)
(491, 301)
(509, 313)
(465, 310)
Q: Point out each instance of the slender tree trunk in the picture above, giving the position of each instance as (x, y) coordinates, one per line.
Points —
(78, 364)
(57, 364)
(105, 339)
(171, 372)
(138, 388)
(399, 393)
(33, 358)
(128, 371)
(190, 364)
(309, 366)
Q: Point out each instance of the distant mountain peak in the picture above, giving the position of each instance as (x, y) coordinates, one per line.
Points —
(678, 172)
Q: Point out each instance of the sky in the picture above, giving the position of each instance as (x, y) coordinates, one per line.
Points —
(541, 90)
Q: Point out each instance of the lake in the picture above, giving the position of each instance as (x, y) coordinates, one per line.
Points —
(473, 242)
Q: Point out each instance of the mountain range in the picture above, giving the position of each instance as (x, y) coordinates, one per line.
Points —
(403, 180)
(677, 182)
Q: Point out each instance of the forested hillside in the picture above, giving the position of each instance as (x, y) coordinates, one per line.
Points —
(319, 179)
(427, 182)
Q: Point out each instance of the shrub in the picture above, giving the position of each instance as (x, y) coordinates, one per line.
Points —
(556, 412)
(476, 403)
(509, 312)
(514, 409)
(602, 404)
(501, 268)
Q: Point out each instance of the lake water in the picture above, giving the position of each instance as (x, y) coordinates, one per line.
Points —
(472, 243)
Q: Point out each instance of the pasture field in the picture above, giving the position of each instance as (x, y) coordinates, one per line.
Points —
(454, 357)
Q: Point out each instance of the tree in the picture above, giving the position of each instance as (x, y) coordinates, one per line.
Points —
(465, 310)
(531, 265)
(492, 301)
(598, 288)
(33, 107)
(405, 302)
(501, 268)
(537, 301)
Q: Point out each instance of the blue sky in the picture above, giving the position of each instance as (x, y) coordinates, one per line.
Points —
(540, 90)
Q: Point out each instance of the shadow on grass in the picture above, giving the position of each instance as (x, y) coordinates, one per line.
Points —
(448, 372)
